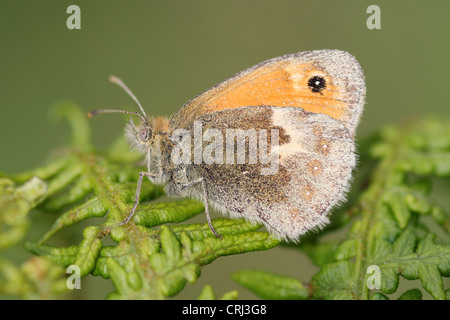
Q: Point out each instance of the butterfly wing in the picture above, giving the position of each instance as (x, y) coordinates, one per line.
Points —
(330, 82)
(315, 157)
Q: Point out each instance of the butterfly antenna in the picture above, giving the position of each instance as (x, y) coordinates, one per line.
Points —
(119, 82)
(96, 112)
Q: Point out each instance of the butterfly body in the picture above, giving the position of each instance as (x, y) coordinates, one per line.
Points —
(273, 144)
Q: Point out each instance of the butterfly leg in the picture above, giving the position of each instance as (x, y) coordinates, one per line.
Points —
(205, 202)
(136, 199)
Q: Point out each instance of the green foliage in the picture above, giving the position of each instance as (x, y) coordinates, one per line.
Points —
(156, 254)
(208, 294)
(36, 277)
(149, 258)
(388, 229)
(271, 286)
(15, 203)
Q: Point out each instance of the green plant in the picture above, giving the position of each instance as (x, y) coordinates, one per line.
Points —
(152, 259)
(387, 228)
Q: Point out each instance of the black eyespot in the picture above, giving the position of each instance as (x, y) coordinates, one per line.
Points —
(317, 84)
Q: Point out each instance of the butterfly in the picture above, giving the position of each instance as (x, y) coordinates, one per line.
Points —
(275, 143)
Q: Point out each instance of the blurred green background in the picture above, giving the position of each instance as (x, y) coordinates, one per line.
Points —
(169, 51)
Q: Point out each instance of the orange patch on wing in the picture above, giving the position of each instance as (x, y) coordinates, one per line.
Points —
(282, 87)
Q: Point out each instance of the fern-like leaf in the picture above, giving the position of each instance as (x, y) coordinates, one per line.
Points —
(150, 259)
(388, 238)
(155, 255)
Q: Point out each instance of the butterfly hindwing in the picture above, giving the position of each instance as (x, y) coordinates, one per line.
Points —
(314, 156)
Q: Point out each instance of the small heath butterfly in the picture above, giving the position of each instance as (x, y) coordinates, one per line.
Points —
(273, 144)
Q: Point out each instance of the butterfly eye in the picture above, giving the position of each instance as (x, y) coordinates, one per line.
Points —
(144, 134)
(317, 84)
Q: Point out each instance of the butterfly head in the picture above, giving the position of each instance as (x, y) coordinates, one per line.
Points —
(140, 136)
